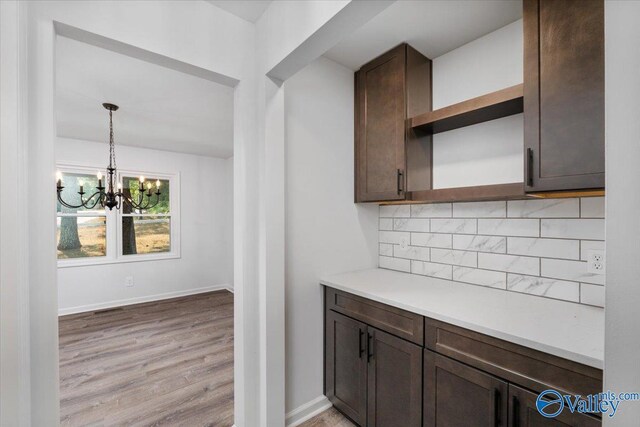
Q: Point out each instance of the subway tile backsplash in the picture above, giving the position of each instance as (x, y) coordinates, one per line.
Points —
(538, 247)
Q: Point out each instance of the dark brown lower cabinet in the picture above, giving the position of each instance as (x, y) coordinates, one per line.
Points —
(394, 394)
(372, 377)
(457, 395)
(413, 371)
(346, 366)
(522, 407)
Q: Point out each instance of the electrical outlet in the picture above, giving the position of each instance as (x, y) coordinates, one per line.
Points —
(128, 281)
(596, 262)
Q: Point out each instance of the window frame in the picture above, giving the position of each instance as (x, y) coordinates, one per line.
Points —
(113, 220)
(174, 215)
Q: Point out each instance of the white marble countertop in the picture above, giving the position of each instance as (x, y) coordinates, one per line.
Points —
(568, 330)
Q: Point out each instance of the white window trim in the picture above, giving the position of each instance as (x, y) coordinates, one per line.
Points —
(114, 224)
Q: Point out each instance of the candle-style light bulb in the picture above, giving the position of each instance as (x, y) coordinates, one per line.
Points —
(119, 186)
(58, 176)
(99, 175)
(149, 185)
(141, 178)
(158, 183)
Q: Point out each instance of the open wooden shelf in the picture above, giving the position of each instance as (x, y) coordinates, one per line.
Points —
(495, 105)
(468, 194)
(512, 191)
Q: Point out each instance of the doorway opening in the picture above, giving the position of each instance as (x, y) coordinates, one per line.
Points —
(145, 296)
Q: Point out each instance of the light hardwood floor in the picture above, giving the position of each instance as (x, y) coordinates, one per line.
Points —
(328, 418)
(162, 363)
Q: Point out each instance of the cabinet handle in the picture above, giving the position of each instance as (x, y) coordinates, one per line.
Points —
(530, 167)
(400, 176)
(370, 348)
(497, 407)
(516, 412)
(360, 346)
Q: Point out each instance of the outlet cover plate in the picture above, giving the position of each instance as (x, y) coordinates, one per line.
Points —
(596, 262)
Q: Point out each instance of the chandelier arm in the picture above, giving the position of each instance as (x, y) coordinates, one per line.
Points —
(83, 203)
(125, 200)
(129, 201)
(142, 204)
(156, 202)
(146, 204)
(67, 205)
(86, 202)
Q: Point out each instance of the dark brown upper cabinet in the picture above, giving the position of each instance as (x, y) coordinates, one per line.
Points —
(563, 94)
(390, 158)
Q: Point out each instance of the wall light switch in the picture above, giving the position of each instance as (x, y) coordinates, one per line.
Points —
(596, 262)
(128, 281)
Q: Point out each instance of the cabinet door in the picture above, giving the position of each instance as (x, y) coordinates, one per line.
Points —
(456, 395)
(564, 94)
(522, 407)
(380, 128)
(346, 365)
(395, 381)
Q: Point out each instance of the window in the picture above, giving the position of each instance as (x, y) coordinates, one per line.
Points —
(81, 233)
(149, 231)
(99, 236)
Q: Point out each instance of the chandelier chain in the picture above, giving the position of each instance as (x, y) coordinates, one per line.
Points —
(112, 149)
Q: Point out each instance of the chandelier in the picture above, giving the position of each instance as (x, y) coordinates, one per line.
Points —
(112, 198)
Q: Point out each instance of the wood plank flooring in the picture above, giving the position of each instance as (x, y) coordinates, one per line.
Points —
(162, 363)
(329, 418)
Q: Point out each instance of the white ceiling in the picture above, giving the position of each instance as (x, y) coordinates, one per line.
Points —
(249, 10)
(160, 108)
(433, 27)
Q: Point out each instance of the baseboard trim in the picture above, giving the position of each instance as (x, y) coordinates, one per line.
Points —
(307, 411)
(139, 300)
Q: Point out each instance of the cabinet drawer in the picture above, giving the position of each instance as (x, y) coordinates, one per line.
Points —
(520, 365)
(393, 320)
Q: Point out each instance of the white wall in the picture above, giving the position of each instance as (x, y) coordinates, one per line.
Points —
(486, 153)
(289, 23)
(229, 221)
(622, 133)
(205, 246)
(326, 232)
(14, 295)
